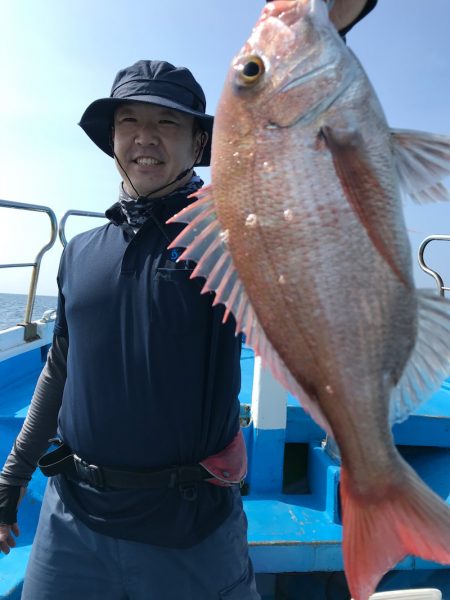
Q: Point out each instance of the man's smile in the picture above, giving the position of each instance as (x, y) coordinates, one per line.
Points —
(147, 161)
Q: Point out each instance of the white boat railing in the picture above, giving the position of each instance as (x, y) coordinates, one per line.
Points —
(30, 329)
(438, 279)
(35, 265)
(78, 213)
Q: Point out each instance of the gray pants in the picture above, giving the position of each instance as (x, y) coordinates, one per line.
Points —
(69, 561)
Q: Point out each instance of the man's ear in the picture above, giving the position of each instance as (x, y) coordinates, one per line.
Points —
(200, 144)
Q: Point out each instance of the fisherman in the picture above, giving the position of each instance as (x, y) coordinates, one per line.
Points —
(143, 498)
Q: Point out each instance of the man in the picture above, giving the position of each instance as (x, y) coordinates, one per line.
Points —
(141, 382)
(149, 378)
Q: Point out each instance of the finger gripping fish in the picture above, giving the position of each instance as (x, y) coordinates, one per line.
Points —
(302, 237)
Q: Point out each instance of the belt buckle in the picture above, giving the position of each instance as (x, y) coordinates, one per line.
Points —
(188, 477)
(188, 491)
(89, 473)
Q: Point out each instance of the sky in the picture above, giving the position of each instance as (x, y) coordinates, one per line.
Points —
(57, 57)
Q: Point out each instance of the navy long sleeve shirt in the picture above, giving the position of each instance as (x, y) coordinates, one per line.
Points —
(153, 378)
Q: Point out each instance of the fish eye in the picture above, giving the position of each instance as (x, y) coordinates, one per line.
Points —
(250, 70)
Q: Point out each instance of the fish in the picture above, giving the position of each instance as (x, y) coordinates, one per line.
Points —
(301, 235)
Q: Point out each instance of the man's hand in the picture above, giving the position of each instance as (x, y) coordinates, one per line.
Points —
(6, 539)
(10, 498)
(344, 12)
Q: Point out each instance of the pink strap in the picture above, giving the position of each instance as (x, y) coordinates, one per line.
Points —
(228, 467)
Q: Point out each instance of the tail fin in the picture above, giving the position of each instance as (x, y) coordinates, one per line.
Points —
(409, 518)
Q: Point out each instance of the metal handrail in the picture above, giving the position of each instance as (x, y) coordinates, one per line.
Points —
(438, 279)
(79, 213)
(37, 261)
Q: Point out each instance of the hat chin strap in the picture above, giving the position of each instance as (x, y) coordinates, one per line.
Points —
(177, 178)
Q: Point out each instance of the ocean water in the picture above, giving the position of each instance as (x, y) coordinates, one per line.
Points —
(12, 308)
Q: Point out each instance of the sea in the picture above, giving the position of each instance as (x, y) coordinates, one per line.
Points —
(12, 308)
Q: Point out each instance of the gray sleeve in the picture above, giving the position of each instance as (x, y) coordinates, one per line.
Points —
(42, 419)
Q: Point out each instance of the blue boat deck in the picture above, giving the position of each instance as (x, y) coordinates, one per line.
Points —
(291, 494)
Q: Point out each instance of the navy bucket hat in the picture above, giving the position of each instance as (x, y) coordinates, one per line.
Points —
(152, 82)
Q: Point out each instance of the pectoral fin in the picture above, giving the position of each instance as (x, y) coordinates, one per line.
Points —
(363, 190)
(422, 161)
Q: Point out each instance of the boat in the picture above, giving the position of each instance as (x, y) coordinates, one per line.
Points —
(291, 492)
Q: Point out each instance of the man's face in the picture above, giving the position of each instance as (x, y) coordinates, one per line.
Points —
(153, 145)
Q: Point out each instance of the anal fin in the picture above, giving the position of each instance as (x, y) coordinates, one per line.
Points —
(429, 363)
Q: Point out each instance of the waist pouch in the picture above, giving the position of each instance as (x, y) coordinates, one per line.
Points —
(229, 466)
(214, 469)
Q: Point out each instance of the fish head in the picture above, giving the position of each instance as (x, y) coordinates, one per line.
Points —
(290, 69)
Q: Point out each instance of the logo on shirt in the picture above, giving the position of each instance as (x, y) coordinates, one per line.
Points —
(174, 254)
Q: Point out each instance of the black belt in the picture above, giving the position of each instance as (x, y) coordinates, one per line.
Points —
(64, 461)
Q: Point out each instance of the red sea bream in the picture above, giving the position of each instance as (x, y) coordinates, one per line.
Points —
(301, 235)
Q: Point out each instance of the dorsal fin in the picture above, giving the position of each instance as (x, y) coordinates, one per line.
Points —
(206, 244)
(422, 161)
